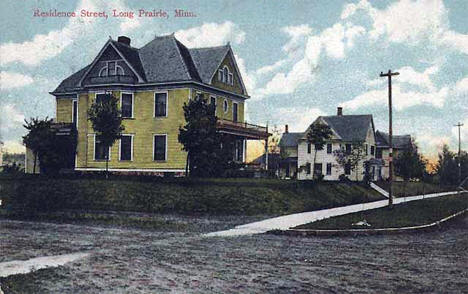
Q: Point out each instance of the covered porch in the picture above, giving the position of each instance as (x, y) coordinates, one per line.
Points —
(240, 132)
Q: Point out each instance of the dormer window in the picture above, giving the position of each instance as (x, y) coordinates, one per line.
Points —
(225, 76)
(111, 69)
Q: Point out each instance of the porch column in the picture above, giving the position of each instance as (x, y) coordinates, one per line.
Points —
(266, 153)
(244, 145)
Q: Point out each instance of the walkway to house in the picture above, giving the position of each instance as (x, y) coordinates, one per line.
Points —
(288, 221)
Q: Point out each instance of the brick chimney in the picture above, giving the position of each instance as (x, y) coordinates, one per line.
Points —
(124, 40)
(339, 111)
(286, 129)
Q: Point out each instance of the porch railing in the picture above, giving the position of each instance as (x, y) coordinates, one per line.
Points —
(242, 126)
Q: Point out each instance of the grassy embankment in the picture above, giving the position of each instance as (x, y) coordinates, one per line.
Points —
(413, 213)
(402, 189)
(178, 195)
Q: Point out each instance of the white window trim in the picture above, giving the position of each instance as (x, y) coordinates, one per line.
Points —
(102, 92)
(233, 111)
(73, 111)
(226, 102)
(94, 151)
(231, 79)
(131, 147)
(133, 103)
(154, 103)
(165, 152)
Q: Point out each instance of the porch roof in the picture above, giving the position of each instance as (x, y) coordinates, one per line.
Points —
(243, 129)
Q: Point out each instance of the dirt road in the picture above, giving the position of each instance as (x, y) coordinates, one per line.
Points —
(139, 261)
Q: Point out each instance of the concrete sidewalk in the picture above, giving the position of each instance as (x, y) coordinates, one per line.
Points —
(288, 221)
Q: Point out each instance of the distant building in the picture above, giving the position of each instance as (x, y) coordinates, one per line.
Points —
(346, 130)
(400, 143)
(288, 154)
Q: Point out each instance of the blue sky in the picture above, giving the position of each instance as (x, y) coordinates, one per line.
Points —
(299, 59)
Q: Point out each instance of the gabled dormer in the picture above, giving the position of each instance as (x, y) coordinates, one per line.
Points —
(117, 62)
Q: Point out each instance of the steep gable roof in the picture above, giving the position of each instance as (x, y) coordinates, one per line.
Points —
(290, 139)
(399, 141)
(164, 59)
(349, 127)
(207, 60)
(132, 56)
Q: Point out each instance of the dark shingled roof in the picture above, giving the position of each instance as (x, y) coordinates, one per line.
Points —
(72, 81)
(350, 127)
(207, 60)
(399, 141)
(164, 59)
(132, 56)
(290, 139)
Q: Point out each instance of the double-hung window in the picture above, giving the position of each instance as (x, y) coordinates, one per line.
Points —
(235, 112)
(309, 148)
(101, 152)
(101, 96)
(160, 144)
(160, 104)
(329, 148)
(126, 101)
(126, 147)
(329, 168)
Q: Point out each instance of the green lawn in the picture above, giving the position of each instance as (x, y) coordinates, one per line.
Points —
(402, 189)
(402, 215)
(178, 195)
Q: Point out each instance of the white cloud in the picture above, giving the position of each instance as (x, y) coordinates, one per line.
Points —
(461, 87)
(411, 22)
(297, 35)
(211, 34)
(421, 79)
(13, 147)
(10, 80)
(432, 142)
(307, 48)
(45, 46)
(401, 99)
(298, 118)
(269, 68)
(10, 118)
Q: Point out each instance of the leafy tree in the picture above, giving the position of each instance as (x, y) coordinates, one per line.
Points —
(52, 151)
(410, 164)
(106, 120)
(208, 152)
(39, 136)
(447, 166)
(352, 158)
(318, 134)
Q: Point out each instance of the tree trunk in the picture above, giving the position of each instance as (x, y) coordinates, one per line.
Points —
(313, 166)
(35, 160)
(107, 166)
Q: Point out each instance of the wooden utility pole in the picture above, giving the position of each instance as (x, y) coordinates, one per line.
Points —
(389, 74)
(459, 125)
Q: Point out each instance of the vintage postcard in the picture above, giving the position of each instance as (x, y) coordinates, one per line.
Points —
(233, 146)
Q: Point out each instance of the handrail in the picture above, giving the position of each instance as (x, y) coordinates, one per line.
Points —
(243, 125)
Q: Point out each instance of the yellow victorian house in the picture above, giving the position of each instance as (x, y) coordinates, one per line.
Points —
(153, 83)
